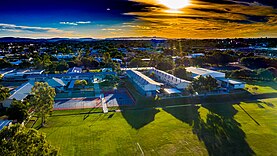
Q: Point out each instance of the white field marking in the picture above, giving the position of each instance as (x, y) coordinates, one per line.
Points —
(142, 153)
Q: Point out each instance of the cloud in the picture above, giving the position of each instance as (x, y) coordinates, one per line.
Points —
(75, 23)
(83, 22)
(68, 23)
(111, 29)
(207, 19)
(16, 28)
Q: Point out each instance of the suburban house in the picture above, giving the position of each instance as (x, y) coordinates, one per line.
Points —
(19, 94)
(89, 76)
(4, 123)
(74, 70)
(21, 74)
(144, 84)
(5, 71)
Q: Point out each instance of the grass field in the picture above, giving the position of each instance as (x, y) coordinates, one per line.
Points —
(244, 128)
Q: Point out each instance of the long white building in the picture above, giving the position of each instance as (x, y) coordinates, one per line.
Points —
(144, 84)
(219, 76)
(171, 79)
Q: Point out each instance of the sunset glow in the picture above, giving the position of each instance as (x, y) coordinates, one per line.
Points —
(175, 4)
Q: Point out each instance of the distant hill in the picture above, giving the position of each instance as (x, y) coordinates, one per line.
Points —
(137, 38)
(17, 39)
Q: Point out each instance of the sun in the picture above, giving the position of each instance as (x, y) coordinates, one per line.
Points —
(175, 4)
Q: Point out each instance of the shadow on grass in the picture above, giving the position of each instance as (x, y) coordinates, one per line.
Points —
(220, 132)
(139, 118)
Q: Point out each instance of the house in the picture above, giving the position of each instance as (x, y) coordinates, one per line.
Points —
(143, 84)
(170, 79)
(4, 123)
(195, 55)
(89, 76)
(16, 75)
(5, 71)
(19, 94)
(21, 74)
(64, 56)
(74, 70)
(56, 83)
(16, 62)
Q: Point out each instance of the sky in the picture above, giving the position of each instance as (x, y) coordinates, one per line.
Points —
(138, 18)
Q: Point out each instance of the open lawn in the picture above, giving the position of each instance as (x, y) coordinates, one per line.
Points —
(242, 128)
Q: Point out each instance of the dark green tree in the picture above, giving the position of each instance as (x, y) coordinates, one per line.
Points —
(136, 62)
(18, 140)
(18, 110)
(4, 93)
(181, 72)
(204, 84)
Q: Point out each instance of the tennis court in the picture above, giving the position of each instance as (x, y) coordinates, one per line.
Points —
(118, 98)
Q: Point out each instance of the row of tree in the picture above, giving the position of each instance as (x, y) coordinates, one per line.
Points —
(267, 74)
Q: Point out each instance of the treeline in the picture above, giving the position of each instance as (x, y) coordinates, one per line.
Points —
(259, 62)
(267, 74)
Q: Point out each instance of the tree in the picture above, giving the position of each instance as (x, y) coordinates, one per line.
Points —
(24, 64)
(181, 72)
(42, 100)
(107, 59)
(62, 66)
(18, 111)
(4, 93)
(165, 64)
(136, 62)
(18, 140)
(42, 62)
(82, 83)
(5, 64)
(204, 84)
(89, 62)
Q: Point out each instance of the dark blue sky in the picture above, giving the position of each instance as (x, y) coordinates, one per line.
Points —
(110, 18)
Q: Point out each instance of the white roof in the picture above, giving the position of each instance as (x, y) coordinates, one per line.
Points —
(172, 91)
(201, 71)
(170, 75)
(149, 80)
(22, 92)
(146, 79)
(55, 82)
(234, 82)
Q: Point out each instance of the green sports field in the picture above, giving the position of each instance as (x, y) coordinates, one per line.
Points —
(245, 128)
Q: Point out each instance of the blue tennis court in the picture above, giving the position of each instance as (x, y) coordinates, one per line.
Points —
(119, 98)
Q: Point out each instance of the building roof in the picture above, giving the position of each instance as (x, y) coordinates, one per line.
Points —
(74, 70)
(22, 92)
(172, 91)
(4, 123)
(141, 78)
(6, 70)
(227, 80)
(172, 76)
(201, 71)
(55, 82)
(89, 74)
